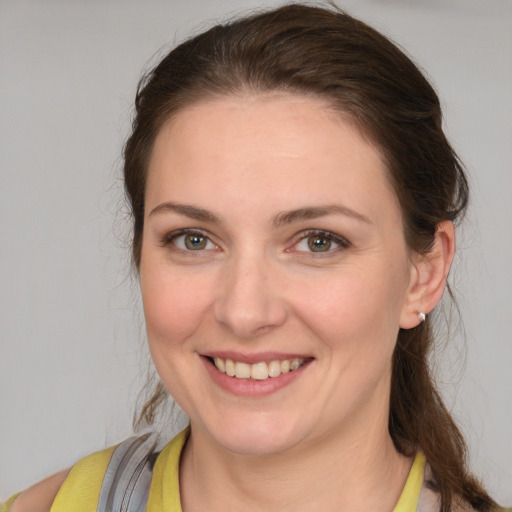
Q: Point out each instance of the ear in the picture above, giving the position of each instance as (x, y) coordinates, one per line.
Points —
(428, 276)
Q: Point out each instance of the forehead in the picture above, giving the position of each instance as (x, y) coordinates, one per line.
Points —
(273, 146)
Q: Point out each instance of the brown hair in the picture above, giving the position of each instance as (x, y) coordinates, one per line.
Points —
(369, 80)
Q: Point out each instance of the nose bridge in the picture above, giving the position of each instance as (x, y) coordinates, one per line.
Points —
(248, 302)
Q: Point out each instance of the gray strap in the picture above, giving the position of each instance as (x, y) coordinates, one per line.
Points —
(127, 480)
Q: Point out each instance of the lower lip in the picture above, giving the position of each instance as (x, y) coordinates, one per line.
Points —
(252, 387)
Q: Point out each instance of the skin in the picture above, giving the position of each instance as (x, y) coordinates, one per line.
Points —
(320, 442)
(246, 169)
(39, 497)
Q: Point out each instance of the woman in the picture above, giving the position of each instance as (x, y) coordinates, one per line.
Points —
(294, 200)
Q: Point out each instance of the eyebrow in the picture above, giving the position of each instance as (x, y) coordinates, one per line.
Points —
(314, 212)
(186, 210)
(282, 218)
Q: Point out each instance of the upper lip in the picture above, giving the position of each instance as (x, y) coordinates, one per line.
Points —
(256, 357)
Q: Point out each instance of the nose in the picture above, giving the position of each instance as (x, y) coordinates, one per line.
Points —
(248, 302)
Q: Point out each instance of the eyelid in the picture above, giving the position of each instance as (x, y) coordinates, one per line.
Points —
(343, 243)
(168, 238)
(338, 239)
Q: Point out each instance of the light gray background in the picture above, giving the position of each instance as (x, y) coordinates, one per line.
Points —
(71, 341)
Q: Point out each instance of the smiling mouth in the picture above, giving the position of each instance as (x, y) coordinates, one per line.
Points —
(258, 371)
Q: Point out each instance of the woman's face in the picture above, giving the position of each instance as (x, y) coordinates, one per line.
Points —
(272, 250)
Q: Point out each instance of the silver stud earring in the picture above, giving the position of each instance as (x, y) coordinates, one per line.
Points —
(421, 316)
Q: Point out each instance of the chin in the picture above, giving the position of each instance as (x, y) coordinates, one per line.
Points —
(260, 437)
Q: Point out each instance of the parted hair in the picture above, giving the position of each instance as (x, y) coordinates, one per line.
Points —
(370, 81)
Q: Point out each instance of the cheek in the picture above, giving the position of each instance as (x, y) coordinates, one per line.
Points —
(174, 304)
(358, 325)
(356, 313)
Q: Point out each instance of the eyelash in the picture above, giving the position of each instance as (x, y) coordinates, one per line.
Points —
(343, 243)
(170, 239)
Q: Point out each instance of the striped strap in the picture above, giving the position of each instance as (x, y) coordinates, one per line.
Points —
(127, 481)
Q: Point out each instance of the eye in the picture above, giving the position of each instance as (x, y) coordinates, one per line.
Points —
(190, 241)
(321, 242)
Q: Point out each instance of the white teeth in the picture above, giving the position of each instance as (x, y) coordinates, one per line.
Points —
(242, 370)
(274, 369)
(230, 368)
(219, 363)
(258, 371)
(295, 364)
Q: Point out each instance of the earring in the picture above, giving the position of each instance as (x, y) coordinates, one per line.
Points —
(421, 316)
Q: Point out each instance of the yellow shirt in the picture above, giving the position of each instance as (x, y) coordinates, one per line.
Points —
(80, 491)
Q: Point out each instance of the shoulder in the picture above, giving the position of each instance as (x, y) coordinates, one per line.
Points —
(83, 484)
(40, 496)
(104, 475)
(429, 500)
(79, 485)
(465, 507)
(460, 506)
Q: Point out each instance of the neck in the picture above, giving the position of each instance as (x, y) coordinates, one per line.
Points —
(356, 471)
